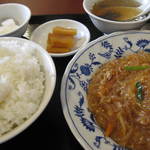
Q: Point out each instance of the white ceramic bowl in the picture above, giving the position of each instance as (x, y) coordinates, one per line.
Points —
(48, 67)
(109, 26)
(40, 34)
(20, 13)
(76, 79)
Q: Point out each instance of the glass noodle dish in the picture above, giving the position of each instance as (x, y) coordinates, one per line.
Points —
(105, 93)
(119, 97)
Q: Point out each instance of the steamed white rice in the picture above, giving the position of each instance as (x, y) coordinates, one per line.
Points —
(21, 84)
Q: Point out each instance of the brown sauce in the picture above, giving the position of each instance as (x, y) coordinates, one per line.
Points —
(118, 10)
(112, 98)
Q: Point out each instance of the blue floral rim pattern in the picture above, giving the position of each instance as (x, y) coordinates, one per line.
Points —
(77, 77)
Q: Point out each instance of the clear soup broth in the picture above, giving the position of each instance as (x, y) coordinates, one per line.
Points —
(116, 10)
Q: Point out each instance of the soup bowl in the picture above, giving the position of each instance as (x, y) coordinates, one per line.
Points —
(109, 26)
(76, 80)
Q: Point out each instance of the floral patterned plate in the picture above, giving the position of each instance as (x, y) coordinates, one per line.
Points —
(76, 79)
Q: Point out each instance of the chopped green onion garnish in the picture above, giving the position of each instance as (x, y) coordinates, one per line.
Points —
(130, 68)
(139, 94)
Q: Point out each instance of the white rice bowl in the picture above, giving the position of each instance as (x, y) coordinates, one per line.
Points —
(27, 81)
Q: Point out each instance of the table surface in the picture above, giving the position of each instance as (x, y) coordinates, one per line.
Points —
(50, 130)
(42, 7)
